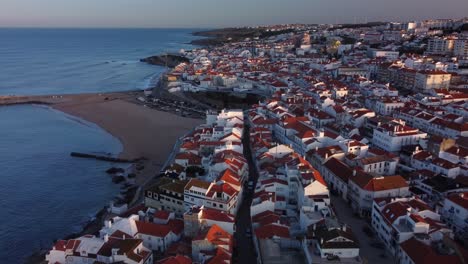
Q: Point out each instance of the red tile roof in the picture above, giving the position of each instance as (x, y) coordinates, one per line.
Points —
(339, 169)
(216, 215)
(272, 230)
(160, 230)
(162, 214)
(369, 183)
(176, 260)
(460, 199)
(421, 253)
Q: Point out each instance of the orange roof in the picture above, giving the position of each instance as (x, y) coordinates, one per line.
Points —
(413, 248)
(369, 183)
(218, 236)
(460, 199)
(272, 230)
(216, 215)
(176, 260)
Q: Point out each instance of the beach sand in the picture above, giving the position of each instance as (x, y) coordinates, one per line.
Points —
(144, 132)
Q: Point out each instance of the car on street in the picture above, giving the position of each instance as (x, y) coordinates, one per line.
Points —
(333, 258)
(377, 244)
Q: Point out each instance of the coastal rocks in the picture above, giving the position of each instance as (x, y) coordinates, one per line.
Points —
(140, 167)
(118, 179)
(115, 170)
(169, 60)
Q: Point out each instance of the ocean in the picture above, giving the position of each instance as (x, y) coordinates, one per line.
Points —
(44, 193)
(58, 61)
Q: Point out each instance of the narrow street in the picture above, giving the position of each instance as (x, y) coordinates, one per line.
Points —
(244, 250)
(368, 253)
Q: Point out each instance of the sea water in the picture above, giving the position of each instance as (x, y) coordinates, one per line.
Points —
(44, 193)
(57, 61)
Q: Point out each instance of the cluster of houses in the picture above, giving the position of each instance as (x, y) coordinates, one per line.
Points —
(291, 210)
(374, 117)
(188, 214)
(401, 178)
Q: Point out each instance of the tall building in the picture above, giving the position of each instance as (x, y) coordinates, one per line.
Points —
(426, 80)
(460, 48)
(440, 46)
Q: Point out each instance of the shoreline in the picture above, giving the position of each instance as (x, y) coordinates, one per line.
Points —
(143, 133)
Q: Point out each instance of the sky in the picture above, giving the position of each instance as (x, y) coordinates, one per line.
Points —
(217, 13)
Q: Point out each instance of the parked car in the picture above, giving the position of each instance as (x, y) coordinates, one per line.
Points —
(377, 244)
(333, 258)
(248, 232)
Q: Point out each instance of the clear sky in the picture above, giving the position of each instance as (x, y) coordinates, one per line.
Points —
(217, 13)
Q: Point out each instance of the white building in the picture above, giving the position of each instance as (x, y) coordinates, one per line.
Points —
(363, 188)
(388, 54)
(399, 219)
(426, 80)
(460, 48)
(455, 212)
(440, 46)
(391, 137)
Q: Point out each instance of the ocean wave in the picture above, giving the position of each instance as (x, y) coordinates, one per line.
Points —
(151, 80)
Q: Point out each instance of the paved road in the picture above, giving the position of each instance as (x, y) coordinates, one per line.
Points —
(244, 251)
(369, 254)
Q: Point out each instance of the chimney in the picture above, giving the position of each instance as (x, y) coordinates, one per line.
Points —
(106, 238)
(123, 237)
(354, 172)
(344, 228)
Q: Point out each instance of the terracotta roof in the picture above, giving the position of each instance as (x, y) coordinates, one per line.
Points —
(218, 236)
(176, 260)
(162, 214)
(413, 248)
(159, 230)
(63, 245)
(368, 182)
(216, 215)
(124, 246)
(272, 230)
(339, 169)
(460, 199)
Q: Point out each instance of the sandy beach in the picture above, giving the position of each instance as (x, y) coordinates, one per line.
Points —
(143, 132)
